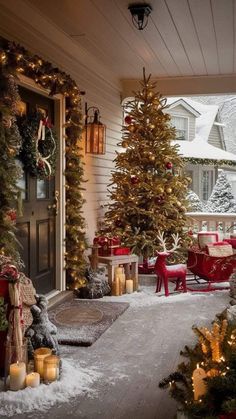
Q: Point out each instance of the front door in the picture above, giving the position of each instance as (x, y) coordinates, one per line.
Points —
(36, 225)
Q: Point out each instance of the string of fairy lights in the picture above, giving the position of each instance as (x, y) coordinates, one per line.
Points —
(15, 60)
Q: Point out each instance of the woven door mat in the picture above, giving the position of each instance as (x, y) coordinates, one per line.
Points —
(81, 323)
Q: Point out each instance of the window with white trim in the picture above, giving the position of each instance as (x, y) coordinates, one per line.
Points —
(181, 125)
(207, 184)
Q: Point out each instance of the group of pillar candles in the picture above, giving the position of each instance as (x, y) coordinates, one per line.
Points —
(46, 368)
(121, 285)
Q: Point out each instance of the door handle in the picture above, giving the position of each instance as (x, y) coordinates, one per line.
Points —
(55, 205)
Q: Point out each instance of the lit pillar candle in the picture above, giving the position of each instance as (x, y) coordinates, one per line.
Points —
(51, 368)
(39, 355)
(32, 379)
(17, 376)
(199, 385)
(129, 286)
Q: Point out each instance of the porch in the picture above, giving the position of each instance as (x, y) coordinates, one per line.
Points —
(133, 355)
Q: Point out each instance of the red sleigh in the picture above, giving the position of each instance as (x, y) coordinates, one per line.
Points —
(212, 264)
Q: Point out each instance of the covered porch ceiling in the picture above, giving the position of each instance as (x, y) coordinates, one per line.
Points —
(188, 45)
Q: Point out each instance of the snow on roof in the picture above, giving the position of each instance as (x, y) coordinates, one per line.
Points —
(207, 115)
(199, 146)
(200, 149)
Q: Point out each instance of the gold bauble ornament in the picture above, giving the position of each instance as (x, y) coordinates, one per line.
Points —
(151, 157)
(131, 128)
(159, 190)
(169, 190)
(11, 151)
(124, 144)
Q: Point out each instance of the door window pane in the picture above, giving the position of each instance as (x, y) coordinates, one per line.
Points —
(22, 181)
(42, 189)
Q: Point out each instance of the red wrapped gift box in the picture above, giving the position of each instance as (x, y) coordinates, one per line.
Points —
(107, 245)
(121, 251)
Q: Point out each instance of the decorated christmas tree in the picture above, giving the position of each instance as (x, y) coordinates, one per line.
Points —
(205, 385)
(195, 204)
(222, 198)
(148, 189)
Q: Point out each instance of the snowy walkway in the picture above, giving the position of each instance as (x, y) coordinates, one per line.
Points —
(118, 376)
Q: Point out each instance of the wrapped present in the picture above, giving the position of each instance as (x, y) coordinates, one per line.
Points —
(118, 251)
(206, 237)
(220, 249)
(107, 245)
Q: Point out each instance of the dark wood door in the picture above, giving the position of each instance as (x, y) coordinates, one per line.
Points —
(36, 226)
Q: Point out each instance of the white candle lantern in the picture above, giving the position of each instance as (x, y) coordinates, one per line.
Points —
(39, 355)
(199, 385)
(32, 379)
(51, 368)
(129, 286)
(16, 361)
(17, 376)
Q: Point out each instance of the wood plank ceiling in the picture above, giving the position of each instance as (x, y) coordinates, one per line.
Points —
(182, 38)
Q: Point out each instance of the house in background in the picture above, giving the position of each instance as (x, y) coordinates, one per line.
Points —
(199, 134)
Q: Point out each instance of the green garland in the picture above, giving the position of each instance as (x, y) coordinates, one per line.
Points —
(37, 155)
(14, 60)
(211, 162)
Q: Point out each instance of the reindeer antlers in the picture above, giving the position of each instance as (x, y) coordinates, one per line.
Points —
(176, 239)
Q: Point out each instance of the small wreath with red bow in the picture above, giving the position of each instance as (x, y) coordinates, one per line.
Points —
(39, 145)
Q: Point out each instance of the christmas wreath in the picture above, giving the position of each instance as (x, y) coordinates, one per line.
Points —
(39, 145)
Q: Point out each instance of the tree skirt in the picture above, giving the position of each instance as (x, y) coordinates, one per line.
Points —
(81, 323)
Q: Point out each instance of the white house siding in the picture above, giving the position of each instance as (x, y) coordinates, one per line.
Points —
(179, 110)
(214, 137)
(98, 168)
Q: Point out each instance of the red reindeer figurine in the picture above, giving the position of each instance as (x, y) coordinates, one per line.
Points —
(173, 272)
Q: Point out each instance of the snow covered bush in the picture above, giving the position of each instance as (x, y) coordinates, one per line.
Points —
(195, 204)
(222, 198)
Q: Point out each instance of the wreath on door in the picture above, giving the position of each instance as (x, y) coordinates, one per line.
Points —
(39, 145)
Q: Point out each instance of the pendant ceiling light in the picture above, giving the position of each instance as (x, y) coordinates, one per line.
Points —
(140, 13)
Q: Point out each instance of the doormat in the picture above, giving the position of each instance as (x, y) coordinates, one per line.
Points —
(81, 323)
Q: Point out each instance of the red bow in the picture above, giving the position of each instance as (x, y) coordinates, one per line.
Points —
(47, 123)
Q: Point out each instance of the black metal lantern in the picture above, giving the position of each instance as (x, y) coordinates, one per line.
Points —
(95, 132)
(140, 13)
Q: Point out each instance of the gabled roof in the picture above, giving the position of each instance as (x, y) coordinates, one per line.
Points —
(185, 104)
(206, 115)
(199, 148)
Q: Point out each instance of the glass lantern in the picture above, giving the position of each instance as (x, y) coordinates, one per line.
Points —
(39, 356)
(51, 369)
(16, 362)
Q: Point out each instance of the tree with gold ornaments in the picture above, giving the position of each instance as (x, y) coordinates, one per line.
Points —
(148, 189)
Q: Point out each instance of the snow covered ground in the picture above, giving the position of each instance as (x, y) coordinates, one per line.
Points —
(118, 375)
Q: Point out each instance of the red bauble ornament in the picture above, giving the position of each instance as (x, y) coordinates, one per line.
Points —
(134, 180)
(41, 164)
(128, 120)
(169, 165)
(159, 200)
(12, 214)
(118, 223)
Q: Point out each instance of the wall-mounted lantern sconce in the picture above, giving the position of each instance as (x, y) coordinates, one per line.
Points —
(140, 13)
(95, 131)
